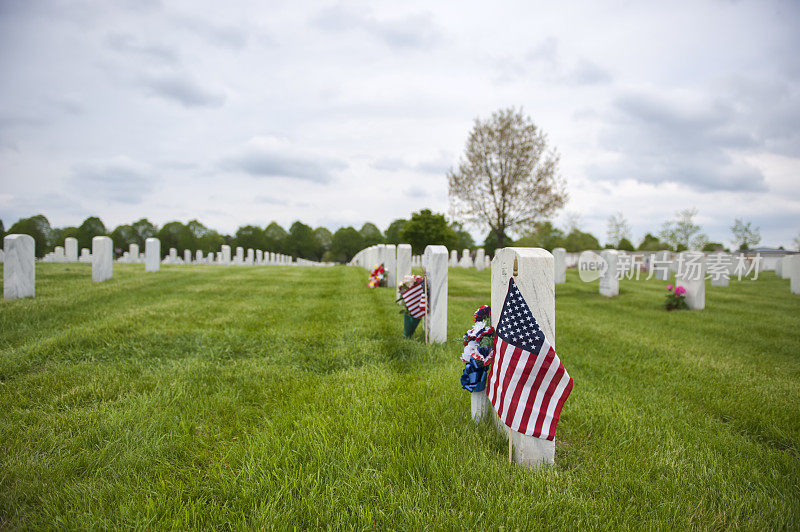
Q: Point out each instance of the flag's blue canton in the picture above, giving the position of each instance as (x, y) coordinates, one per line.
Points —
(517, 325)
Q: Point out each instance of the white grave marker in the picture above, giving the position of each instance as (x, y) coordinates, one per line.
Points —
(102, 259)
(560, 265)
(435, 263)
(152, 255)
(71, 249)
(19, 266)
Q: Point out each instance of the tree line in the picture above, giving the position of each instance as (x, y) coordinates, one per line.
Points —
(420, 229)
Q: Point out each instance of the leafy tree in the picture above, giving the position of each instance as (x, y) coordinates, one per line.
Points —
(618, 229)
(625, 245)
(36, 226)
(346, 242)
(371, 234)
(301, 241)
(275, 238)
(123, 236)
(713, 246)
(651, 243)
(460, 238)
(544, 235)
(425, 228)
(490, 243)
(250, 236)
(507, 179)
(745, 235)
(577, 240)
(395, 231)
(324, 239)
(90, 228)
(210, 242)
(175, 235)
(144, 230)
(683, 233)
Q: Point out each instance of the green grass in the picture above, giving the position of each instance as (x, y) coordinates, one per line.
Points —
(285, 397)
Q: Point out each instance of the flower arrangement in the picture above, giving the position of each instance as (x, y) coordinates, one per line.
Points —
(377, 277)
(478, 351)
(676, 298)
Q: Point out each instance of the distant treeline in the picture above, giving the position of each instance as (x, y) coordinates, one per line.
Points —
(420, 229)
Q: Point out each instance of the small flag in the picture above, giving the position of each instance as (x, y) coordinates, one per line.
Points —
(529, 384)
(415, 301)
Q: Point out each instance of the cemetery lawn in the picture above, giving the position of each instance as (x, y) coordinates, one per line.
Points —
(282, 397)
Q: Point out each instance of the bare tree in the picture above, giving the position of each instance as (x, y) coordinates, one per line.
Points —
(745, 235)
(618, 228)
(683, 233)
(507, 179)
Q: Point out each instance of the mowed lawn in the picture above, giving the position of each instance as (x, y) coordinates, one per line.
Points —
(282, 397)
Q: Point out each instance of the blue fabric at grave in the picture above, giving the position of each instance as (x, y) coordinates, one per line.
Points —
(474, 377)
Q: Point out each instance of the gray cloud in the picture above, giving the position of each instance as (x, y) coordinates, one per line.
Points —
(213, 32)
(120, 180)
(270, 157)
(131, 44)
(439, 165)
(183, 90)
(411, 31)
(678, 140)
(416, 192)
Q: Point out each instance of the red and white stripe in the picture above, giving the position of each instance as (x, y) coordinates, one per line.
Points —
(415, 301)
(527, 390)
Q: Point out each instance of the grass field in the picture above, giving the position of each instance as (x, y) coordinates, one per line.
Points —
(286, 397)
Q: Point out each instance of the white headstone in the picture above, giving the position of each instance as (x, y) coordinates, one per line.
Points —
(466, 259)
(173, 256)
(480, 259)
(435, 263)
(59, 254)
(102, 258)
(187, 256)
(86, 255)
(609, 282)
(133, 252)
(391, 265)
(239, 258)
(259, 256)
(792, 265)
(19, 266)
(403, 262)
(251, 257)
(535, 279)
(691, 274)
(453, 257)
(71, 249)
(560, 265)
(152, 254)
(198, 256)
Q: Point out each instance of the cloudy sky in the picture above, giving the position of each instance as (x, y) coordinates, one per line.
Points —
(341, 113)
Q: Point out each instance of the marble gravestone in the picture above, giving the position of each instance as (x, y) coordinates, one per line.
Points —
(691, 274)
(390, 264)
(19, 266)
(102, 259)
(792, 267)
(259, 256)
(152, 255)
(403, 263)
(560, 265)
(187, 256)
(239, 258)
(133, 252)
(434, 261)
(251, 257)
(466, 259)
(71, 249)
(226, 254)
(86, 255)
(535, 279)
(198, 256)
(59, 254)
(609, 282)
(480, 259)
(454, 258)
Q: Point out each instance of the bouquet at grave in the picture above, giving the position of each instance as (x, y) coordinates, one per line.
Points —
(676, 298)
(377, 277)
(412, 299)
(478, 351)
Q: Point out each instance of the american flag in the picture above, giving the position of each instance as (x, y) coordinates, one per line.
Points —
(529, 384)
(415, 300)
